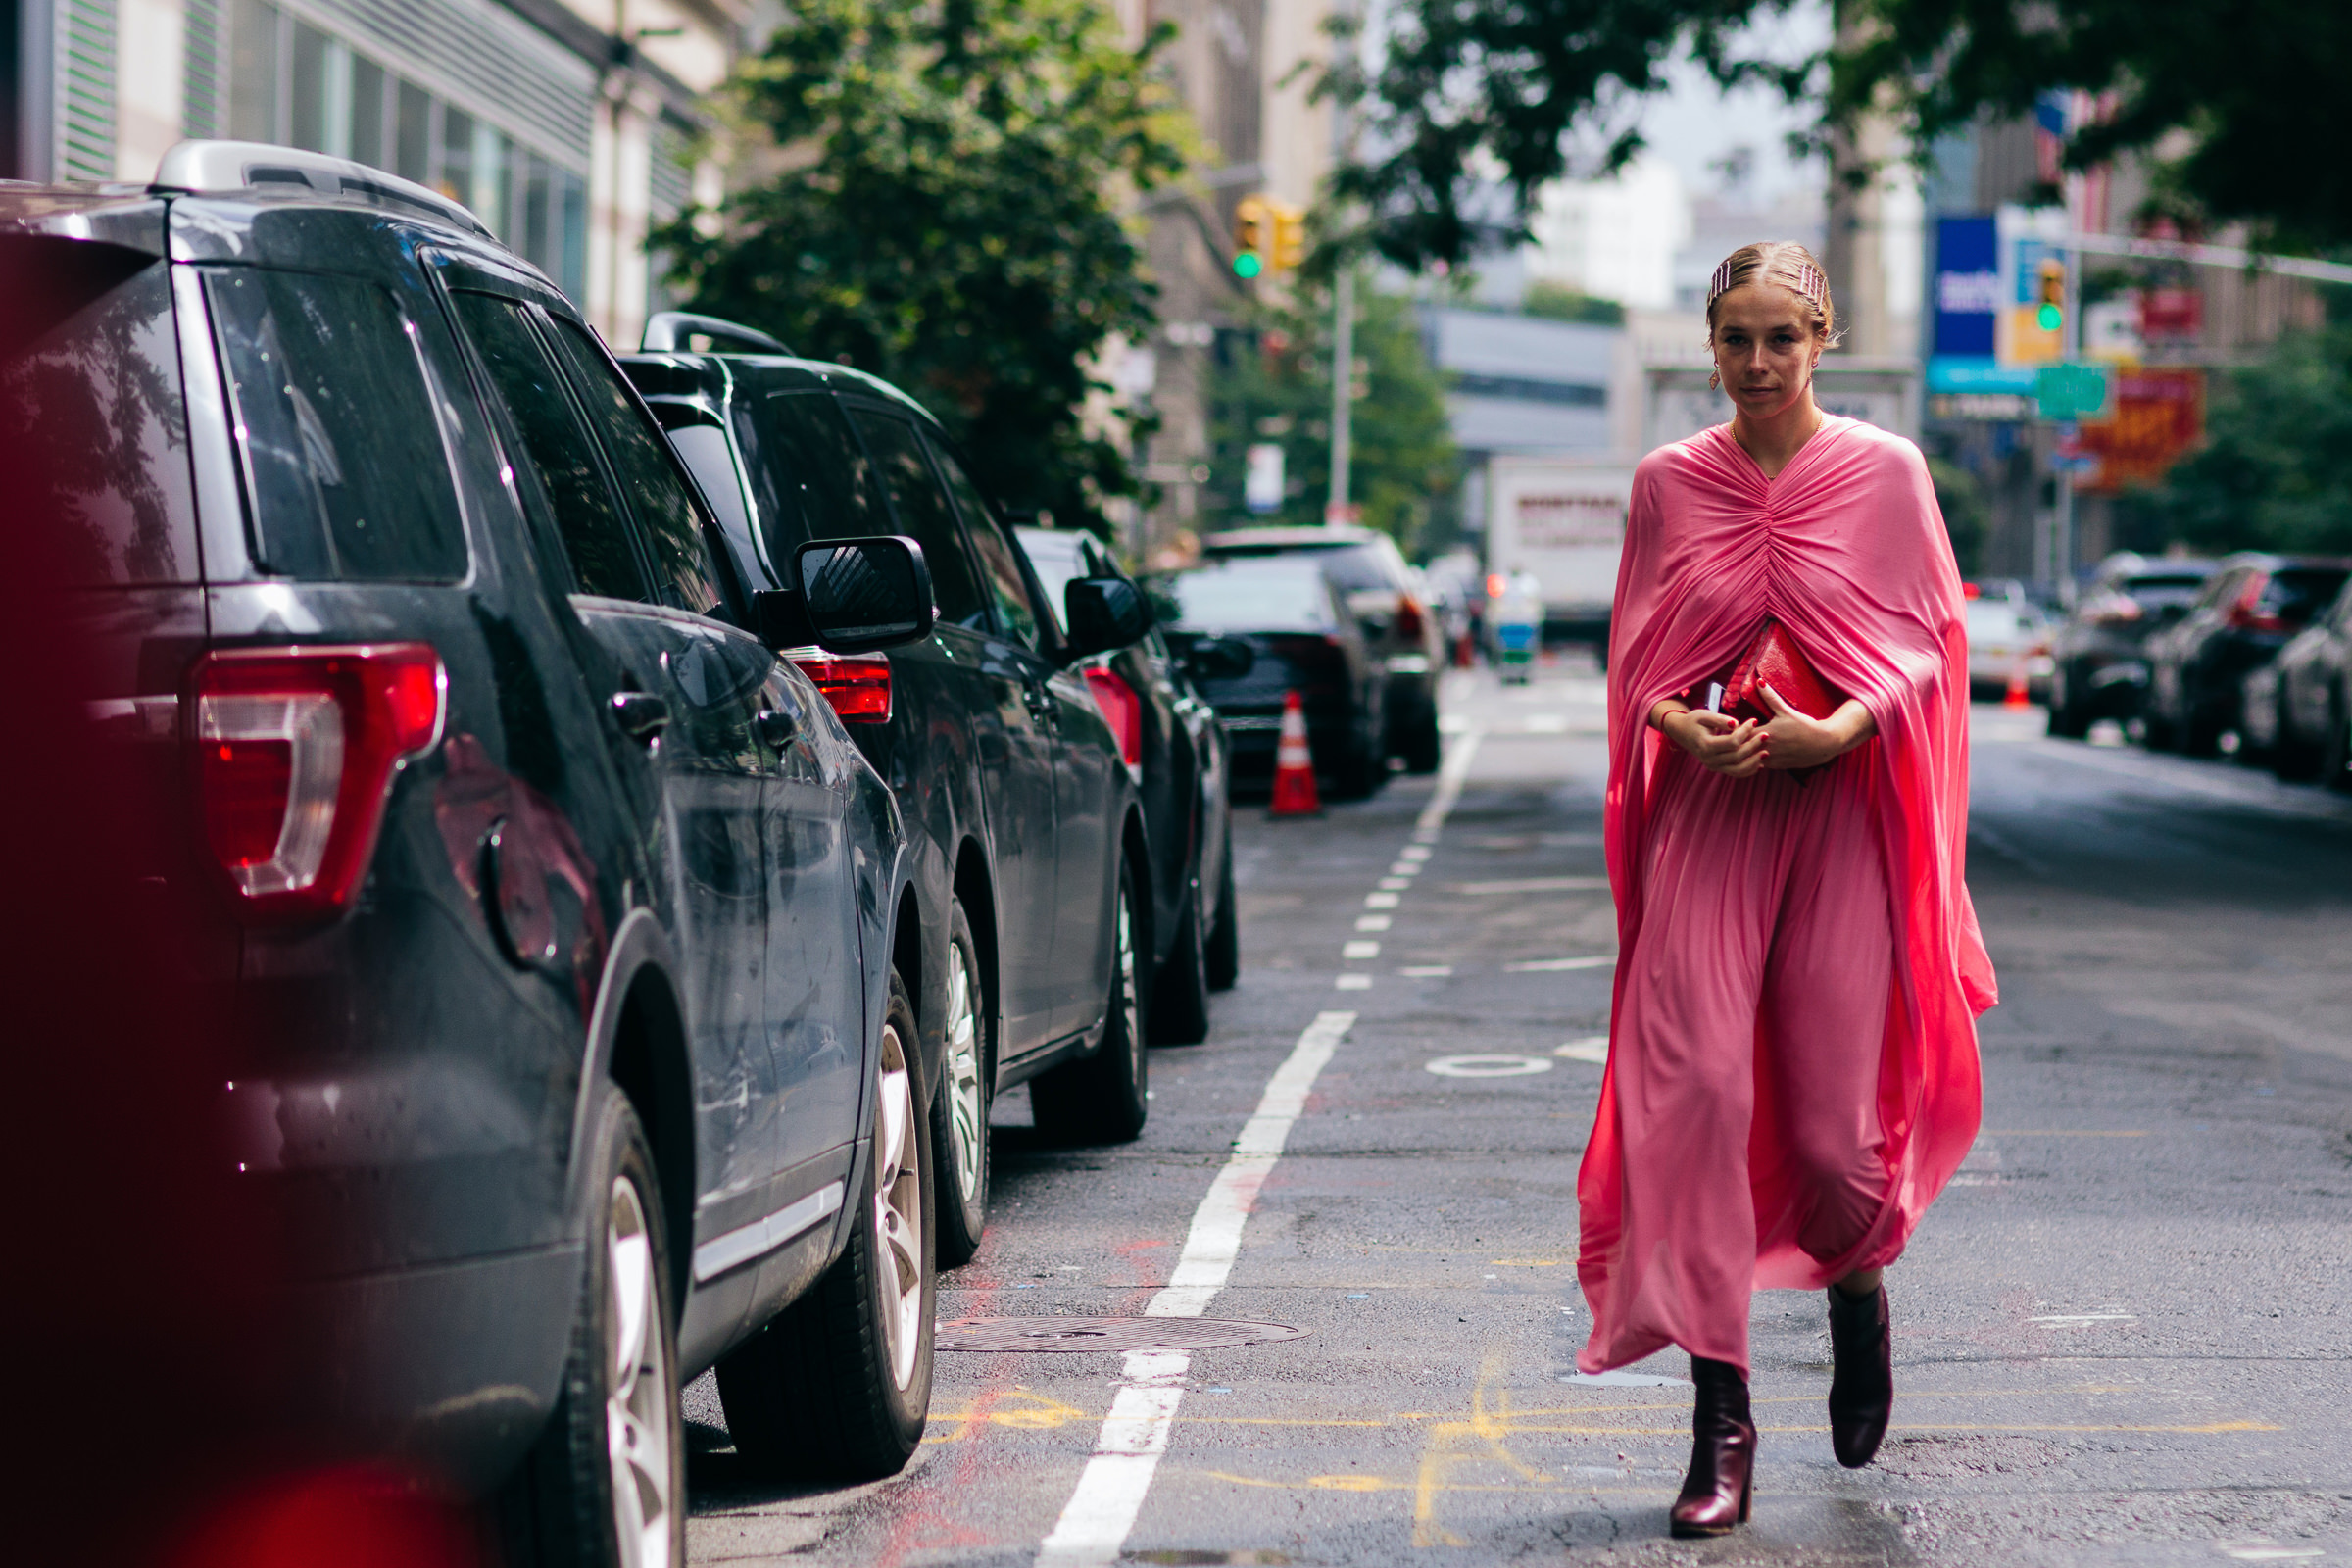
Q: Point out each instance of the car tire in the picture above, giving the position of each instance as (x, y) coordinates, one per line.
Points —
(1361, 770)
(606, 1480)
(2070, 719)
(1425, 747)
(838, 1386)
(2294, 759)
(2335, 757)
(959, 1109)
(1225, 934)
(1105, 1098)
(1180, 991)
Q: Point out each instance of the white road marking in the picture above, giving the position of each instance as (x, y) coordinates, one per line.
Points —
(1594, 1049)
(1361, 950)
(1406, 868)
(1626, 1379)
(1427, 971)
(1599, 961)
(1371, 922)
(1352, 982)
(1532, 883)
(1094, 1524)
(1381, 901)
(1487, 1066)
(1396, 884)
(1415, 852)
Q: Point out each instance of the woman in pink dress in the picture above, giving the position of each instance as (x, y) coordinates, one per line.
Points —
(1793, 1069)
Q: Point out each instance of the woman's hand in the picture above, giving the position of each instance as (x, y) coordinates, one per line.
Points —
(1793, 740)
(1735, 748)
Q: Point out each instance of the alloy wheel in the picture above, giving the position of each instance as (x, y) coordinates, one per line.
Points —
(964, 1128)
(897, 1212)
(1130, 1006)
(637, 1410)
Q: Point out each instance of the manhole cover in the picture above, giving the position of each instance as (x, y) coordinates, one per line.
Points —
(1108, 1334)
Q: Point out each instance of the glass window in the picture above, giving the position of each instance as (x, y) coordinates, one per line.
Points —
(456, 156)
(571, 225)
(1057, 561)
(1017, 611)
(1254, 596)
(671, 522)
(588, 517)
(367, 82)
(253, 72)
(314, 55)
(703, 447)
(535, 234)
(413, 134)
(344, 465)
(812, 479)
(923, 515)
(93, 431)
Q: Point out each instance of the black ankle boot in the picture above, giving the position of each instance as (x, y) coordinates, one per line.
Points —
(1723, 1454)
(1862, 1386)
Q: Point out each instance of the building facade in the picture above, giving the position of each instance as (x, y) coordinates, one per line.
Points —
(568, 127)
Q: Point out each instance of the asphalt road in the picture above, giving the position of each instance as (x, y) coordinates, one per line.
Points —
(2122, 1336)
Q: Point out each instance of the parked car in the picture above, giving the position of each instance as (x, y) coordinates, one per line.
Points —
(555, 912)
(2198, 666)
(1302, 637)
(2099, 668)
(1030, 947)
(1403, 637)
(1175, 746)
(2295, 712)
(2008, 635)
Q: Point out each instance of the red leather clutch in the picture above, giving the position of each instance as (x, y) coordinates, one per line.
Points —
(1775, 659)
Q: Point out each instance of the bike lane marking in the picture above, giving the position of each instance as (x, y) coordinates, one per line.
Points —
(1095, 1523)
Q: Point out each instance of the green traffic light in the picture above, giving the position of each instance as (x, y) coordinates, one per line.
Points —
(1248, 265)
(2048, 317)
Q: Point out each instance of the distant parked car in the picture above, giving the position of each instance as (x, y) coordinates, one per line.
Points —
(2099, 668)
(1175, 745)
(1303, 638)
(2198, 668)
(2007, 633)
(1401, 634)
(1028, 948)
(2295, 712)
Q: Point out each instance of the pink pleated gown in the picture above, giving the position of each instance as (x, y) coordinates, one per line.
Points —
(1793, 1063)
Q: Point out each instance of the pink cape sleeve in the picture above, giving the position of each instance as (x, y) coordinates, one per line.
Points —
(1846, 548)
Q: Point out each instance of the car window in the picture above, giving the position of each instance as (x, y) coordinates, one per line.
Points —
(812, 477)
(588, 517)
(1057, 561)
(672, 525)
(2297, 594)
(1259, 597)
(923, 514)
(344, 466)
(93, 428)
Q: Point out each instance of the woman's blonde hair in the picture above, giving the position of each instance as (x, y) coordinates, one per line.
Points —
(1788, 265)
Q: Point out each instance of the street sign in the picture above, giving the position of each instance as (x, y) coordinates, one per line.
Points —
(2158, 417)
(2071, 391)
(1263, 480)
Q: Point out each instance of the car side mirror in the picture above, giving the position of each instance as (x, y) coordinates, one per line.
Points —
(1104, 614)
(851, 596)
(1219, 658)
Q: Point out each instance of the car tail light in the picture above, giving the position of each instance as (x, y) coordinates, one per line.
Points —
(1122, 709)
(295, 751)
(1969, 590)
(1495, 586)
(1408, 617)
(858, 685)
(2247, 615)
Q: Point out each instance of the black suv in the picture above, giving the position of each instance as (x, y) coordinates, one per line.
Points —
(556, 914)
(1030, 859)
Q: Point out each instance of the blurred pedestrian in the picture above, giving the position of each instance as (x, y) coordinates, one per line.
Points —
(1793, 1069)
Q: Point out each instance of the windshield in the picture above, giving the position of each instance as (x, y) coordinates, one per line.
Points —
(93, 429)
(1254, 596)
(1058, 561)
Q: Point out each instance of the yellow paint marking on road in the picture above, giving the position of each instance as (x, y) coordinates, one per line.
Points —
(1035, 1413)
(1490, 1423)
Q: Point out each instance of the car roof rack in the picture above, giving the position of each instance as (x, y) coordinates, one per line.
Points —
(220, 168)
(673, 332)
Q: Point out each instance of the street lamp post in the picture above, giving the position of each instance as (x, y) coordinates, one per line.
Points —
(1343, 391)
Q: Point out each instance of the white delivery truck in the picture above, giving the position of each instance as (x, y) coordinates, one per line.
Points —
(1561, 519)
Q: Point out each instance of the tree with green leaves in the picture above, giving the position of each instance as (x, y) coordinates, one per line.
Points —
(946, 212)
(2237, 103)
(2275, 470)
(1273, 384)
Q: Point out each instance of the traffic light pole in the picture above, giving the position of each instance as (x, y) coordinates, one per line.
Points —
(2062, 545)
(1343, 390)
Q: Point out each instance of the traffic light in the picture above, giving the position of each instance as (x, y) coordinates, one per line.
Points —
(1290, 237)
(2052, 313)
(1252, 235)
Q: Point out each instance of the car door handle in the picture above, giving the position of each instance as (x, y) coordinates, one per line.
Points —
(776, 728)
(641, 715)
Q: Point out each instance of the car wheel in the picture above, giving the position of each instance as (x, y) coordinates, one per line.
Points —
(606, 1480)
(1425, 747)
(959, 1110)
(1360, 771)
(1225, 935)
(2335, 757)
(839, 1385)
(2294, 759)
(1105, 1098)
(2069, 717)
(1180, 991)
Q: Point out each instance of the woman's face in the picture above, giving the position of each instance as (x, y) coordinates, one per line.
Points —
(1764, 348)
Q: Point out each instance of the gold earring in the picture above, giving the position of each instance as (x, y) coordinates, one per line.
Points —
(1714, 380)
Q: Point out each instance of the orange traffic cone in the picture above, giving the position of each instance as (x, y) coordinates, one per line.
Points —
(2017, 696)
(1295, 765)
